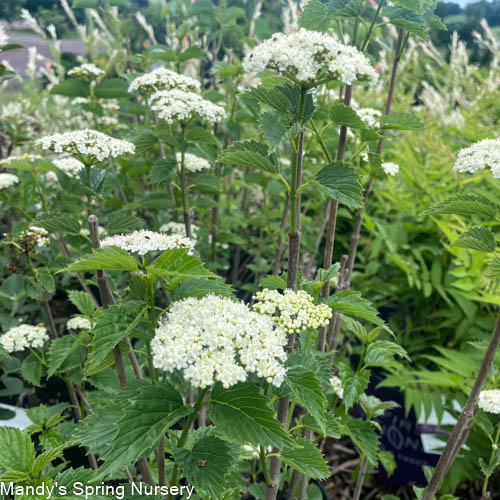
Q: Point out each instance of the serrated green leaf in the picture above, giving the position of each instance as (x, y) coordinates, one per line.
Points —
(493, 270)
(351, 303)
(164, 169)
(401, 121)
(248, 154)
(241, 415)
(120, 222)
(345, 115)
(386, 458)
(345, 8)
(206, 464)
(270, 96)
(273, 282)
(341, 182)
(332, 425)
(72, 88)
(364, 437)
(307, 459)
(177, 263)
(199, 135)
(199, 287)
(110, 258)
(45, 279)
(465, 204)
(153, 410)
(61, 350)
(353, 383)
(382, 352)
(46, 458)
(66, 223)
(144, 142)
(112, 326)
(368, 135)
(477, 238)
(272, 128)
(32, 370)
(315, 16)
(112, 88)
(17, 452)
(82, 301)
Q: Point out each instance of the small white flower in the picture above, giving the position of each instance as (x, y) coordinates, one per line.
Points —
(163, 79)
(86, 142)
(8, 180)
(369, 115)
(192, 162)
(23, 336)
(217, 339)
(36, 234)
(482, 154)
(69, 165)
(179, 105)
(79, 323)
(144, 241)
(88, 72)
(309, 57)
(390, 168)
(10, 160)
(294, 312)
(11, 110)
(337, 386)
(489, 401)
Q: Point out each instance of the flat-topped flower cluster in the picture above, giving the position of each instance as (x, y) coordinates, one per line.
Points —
(163, 79)
(489, 401)
(482, 154)
(86, 142)
(216, 339)
(79, 323)
(310, 57)
(294, 312)
(192, 162)
(69, 165)
(23, 336)
(88, 72)
(144, 241)
(8, 180)
(35, 236)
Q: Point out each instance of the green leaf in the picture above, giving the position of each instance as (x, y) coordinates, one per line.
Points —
(272, 128)
(345, 115)
(177, 263)
(332, 426)
(61, 350)
(248, 154)
(206, 464)
(144, 142)
(341, 182)
(415, 5)
(71, 88)
(382, 353)
(192, 53)
(315, 16)
(271, 96)
(32, 370)
(407, 19)
(345, 8)
(273, 282)
(66, 223)
(112, 88)
(163, 169)
(17, 452)
(487, 469)
(477, 238)
(386, 458)
(82, 301)
(307, 459)
(154, 409)
(353, 383)
(307, 390)
(241, 415)
(199, 287)
(363, 436)
(110, 258)
(493, 270)
(198, 135)
(112, 326)
(207, 183)
(351, 303)
(368, 135)
(46, 458)
(45, 279)
(119, 222)
(465, 204)
(401, 121)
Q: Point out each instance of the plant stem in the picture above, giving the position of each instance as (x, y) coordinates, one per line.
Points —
(184, 193)
(361, 479)
(370, 29)
(460, 432)
(263, 461)
(185, 431)
(89, 198)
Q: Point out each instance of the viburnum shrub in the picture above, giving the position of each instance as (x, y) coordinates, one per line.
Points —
(180, 230)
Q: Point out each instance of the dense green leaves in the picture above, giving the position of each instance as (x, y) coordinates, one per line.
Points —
(315, 16)
(363, 435)
(477, 238)
(465, 204)
(351, 303)
(341, 182)
(248, 154)
(353, 383)
(241, 415)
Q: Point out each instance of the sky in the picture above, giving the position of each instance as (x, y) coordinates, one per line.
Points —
(463, 3)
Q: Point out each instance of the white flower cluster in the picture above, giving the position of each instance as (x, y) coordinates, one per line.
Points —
(482, 154)
(178, 228)
(489, 401)
(87, 142)
(88, 72)
(292, 311)
(27, 158)
(390, 168)
(8, 180)
(4, 38)
(163, 79)
(20, 337)
(79, 323)
(144, 241)
(69, 165)
(36, 234)
(217, 339)
(11, 110)
(369, 115)
(192, 162)
(309, 57)
(179, 105)
(337, 386)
